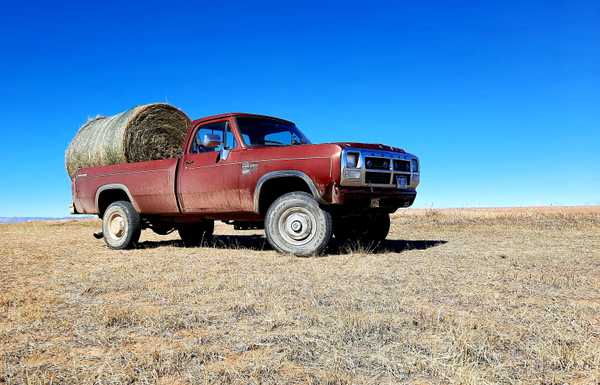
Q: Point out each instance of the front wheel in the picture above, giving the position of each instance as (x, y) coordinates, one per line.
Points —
(372, 227)
(121, 225)
(295, 224)
(379, 227)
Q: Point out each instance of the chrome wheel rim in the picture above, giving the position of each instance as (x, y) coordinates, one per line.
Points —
(297, 226)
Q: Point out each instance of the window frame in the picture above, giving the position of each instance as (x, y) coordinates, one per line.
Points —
(241, 138)
(228, 126)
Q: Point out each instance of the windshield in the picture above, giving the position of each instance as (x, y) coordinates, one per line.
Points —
(269, 132)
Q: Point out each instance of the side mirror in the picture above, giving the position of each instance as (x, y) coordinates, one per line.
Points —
(211, 141)
(224, 154)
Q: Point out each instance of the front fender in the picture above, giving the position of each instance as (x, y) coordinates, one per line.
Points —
(284, 174)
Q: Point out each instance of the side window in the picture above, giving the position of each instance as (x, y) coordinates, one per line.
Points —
(213, 129)
(209, 129)
(231, 142)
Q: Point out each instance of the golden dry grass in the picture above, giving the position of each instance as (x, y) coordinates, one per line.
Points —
(456, 297)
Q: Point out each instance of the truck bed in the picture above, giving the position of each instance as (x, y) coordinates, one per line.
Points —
(151, 185)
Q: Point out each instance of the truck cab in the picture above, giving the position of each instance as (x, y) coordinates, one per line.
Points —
(254, 172)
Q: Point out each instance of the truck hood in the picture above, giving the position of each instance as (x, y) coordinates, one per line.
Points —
(313, 150)
(370, 146)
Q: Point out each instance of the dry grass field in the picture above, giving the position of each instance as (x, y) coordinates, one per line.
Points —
(480, 296)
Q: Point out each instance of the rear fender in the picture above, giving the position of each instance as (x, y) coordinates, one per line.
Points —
(118, 187)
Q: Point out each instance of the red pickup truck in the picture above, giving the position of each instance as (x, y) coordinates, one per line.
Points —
(254, 172)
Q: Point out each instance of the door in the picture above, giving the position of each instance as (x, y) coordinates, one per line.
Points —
(208, 183)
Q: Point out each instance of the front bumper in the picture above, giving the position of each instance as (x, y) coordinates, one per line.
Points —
(371, 197)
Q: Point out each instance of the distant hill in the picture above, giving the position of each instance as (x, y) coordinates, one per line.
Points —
(38, 219)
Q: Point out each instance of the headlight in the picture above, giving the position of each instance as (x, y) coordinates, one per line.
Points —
(352, 159)
(414, 165)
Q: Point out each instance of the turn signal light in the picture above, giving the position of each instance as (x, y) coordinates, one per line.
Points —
(352, 174)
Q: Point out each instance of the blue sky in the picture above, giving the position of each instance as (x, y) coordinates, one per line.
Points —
(500, 101)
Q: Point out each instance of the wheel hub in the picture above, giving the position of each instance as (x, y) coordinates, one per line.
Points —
(116, 225)
(298, 226)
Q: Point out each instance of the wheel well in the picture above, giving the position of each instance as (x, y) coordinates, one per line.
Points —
(276, 187)
(107, 197)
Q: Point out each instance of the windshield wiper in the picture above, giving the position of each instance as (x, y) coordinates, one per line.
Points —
(274, 143)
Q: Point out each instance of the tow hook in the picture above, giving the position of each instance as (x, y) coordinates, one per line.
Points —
(98, 235)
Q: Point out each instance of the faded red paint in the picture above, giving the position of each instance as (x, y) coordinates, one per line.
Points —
(203, 185)
(151, 184)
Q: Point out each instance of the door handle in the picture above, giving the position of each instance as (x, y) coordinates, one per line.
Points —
(189, 162)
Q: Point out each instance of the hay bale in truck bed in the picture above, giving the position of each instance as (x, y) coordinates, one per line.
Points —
(146, 132)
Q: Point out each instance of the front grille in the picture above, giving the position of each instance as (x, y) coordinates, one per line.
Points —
(402, 165)
(377, 178)
(377, 163)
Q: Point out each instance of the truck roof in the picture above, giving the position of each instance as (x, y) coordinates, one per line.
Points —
(237, 114)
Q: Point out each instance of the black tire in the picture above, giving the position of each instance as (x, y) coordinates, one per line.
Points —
(193, 234)
(121, 226)
(372, 227)
(346, 229)
(379, 227)
(295, 224)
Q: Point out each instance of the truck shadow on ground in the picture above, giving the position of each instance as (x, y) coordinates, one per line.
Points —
(259, 243)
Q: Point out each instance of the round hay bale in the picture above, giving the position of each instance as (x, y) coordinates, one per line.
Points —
(146, 132)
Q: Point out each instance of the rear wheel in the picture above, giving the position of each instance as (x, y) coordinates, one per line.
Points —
(121, 225)
(372, 227)
(193, 234)
(295, 224)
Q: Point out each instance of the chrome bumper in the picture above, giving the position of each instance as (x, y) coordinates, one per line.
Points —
(370, 170)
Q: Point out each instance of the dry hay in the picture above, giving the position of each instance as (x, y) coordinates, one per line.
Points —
(146, 132)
